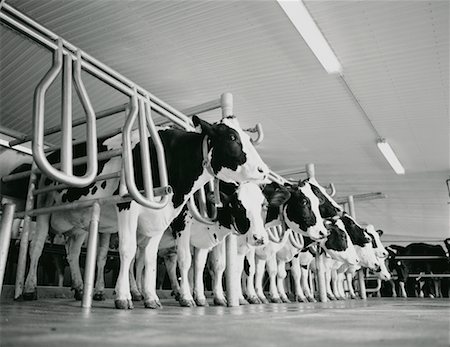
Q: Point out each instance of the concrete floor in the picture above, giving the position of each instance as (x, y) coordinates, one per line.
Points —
(375, 322)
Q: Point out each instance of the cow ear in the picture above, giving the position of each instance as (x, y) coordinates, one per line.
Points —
(380, 232)
(205, 127)
(279, 197)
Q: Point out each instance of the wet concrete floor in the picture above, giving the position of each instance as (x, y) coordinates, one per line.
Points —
(374, 322)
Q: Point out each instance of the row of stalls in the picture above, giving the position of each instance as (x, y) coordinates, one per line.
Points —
(142, 108)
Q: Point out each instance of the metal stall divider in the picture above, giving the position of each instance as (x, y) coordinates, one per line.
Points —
(311, 173)
(361, 282)
(65, 54)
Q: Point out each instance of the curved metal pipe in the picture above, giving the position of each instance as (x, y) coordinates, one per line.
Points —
(259, 130)
(272, 232)
(296, 240)
(196, 214)
(333, 190)
(127, 157)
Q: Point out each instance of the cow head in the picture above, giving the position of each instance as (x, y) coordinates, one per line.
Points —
(338, 244)
(377, 246)
(362, 242)
(397, 265)
(383, 273)
(301, 212)
(327, 206)
(242, 211)
(231, 155)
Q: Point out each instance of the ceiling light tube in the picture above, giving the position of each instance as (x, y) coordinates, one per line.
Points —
(305, 25)
(390, 156)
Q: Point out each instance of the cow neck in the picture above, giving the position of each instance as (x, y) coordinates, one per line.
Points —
(185, 165)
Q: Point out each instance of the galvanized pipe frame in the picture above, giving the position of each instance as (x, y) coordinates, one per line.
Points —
(65, 175)
(47, 38)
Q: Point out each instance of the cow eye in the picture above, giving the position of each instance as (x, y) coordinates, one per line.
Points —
(304, 202)
(233, 137)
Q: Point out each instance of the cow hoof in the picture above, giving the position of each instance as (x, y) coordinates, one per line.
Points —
(186, 302)
(177, 295)
(100, 296)
(353, 296)
(201, 302)
(331, 297)
(78, 294)
(153, 304)
(264, 300)
(254, 300)
(285, 300)
(123, 304)
(136, 296)
(276, 300)
(220, 302)
(311, 299)
(242, 301)
(30, 296)
(340, 298)
(301, 299)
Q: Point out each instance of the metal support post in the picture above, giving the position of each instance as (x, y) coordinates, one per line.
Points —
(231, 271)
(91, 256)
(24, 237)
(361, 281)
(5, 238)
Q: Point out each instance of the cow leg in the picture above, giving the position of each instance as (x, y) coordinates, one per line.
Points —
(330, 294)
(334, 283)
(240, 268)
(102, 255)
(281, 276)
(401, 285)
(259, 274)
(170, 260)
(394, 291)
(184, 259)
(127, 224)
(271, 267)
(73, 249)
(296, 274)
(37, 244)
(218, 262)
(58, 261)
(137, 267)
(151, 300)
(250, 291)
(349, 277)
(304, 276)
(340, 285)
(200, 256)
(437, 288)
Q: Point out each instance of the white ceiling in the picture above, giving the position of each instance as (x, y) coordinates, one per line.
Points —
(395, 57)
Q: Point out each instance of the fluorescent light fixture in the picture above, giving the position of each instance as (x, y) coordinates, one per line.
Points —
(390, 156)
(305, 25)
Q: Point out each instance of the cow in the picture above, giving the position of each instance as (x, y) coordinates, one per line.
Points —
(403, 267)
(230, 156)
(240, 213)
(336, 249)
(294, 208)
(381, 253)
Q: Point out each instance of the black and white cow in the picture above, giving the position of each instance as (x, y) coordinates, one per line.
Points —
(231, 157)
(430, 287)
(241, 214)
